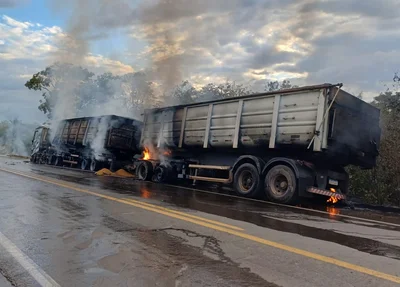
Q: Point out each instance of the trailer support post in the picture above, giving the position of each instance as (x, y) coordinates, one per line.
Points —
(274, 126)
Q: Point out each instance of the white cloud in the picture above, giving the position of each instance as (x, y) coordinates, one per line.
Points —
(27, 48)
(247, 41)
(307, 41)
(102, 64)
(14, 23)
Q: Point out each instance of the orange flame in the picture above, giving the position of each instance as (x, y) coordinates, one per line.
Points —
(332, 199)
(146, 154)
(167, 153)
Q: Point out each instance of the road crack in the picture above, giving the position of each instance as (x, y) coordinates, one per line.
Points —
(8, 277)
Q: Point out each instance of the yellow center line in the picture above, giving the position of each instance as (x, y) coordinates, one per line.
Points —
(240, 234)
(184, 214)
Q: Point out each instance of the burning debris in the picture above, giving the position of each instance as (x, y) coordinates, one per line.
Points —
(333, 199)
(146, 154)
(159, 154)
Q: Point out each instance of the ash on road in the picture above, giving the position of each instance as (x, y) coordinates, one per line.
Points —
(67, 228)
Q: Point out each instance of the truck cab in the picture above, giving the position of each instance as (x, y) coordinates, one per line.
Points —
(40, 142)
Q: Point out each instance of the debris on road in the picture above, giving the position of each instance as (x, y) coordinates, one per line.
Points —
(118, 173)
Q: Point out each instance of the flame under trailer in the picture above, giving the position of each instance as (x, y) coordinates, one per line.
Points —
(284, 145)
(89, 143)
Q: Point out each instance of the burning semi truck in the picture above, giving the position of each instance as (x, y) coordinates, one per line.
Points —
(284, 144)
(88, 142)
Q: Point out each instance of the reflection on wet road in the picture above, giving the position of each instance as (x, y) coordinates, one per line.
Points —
(82, 230)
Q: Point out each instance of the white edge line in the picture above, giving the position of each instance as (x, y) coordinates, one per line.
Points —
(31, 267)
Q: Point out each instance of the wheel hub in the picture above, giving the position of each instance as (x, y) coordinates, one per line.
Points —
(281, 184)
(246, 181)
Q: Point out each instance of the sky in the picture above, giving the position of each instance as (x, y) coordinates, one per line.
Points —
(354, 42)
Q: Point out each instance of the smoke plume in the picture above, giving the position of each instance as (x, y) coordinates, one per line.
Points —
(15, 137)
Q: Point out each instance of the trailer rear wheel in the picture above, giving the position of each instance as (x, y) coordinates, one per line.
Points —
(85, 164)
(144, 171)
(281, 185)
(58, 161)
(51, 160)
(95, 165)
(247, 180)
(33, 159)
(160, 174)
(43, 159)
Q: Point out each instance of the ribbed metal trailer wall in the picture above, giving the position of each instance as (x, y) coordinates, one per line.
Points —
(258, 121)
(302, 117)
(290, 143)
(83, 131)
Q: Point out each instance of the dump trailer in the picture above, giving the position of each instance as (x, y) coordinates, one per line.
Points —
(283, 145)
(92, 143)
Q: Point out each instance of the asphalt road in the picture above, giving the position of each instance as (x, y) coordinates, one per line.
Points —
(67, 228)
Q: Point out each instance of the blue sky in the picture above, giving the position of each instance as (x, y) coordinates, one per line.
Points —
(36, 11)
(203, 41)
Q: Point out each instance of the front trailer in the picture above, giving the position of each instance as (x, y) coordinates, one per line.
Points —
(91, 143)
(282, 145)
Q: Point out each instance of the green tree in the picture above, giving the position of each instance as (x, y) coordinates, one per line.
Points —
(276, 86)
(3, 128)
(138, 91)
(55, 80)
(381, 185)
(185, 93)
(223, 91)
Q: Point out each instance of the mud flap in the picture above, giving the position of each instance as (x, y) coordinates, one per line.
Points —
(327, 193)
(306, 178)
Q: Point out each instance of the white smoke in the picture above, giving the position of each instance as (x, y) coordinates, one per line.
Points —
(15, 138)
(98, 142)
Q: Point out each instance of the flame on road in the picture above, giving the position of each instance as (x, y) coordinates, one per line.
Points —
(146, 154)
(332, 199)
(332, 210)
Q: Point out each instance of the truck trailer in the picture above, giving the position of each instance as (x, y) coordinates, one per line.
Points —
(90, 142)
(283, 145)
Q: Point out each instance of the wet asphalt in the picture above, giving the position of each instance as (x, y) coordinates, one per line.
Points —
(81, 239)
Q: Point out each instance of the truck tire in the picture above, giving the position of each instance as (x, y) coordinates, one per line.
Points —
(144, 171)
(281, 185)
(247, 181)
(95, 165)
(33, 159)
(51, 160)
(160, 174)
(58, 161)
(42, 159)
(85, 164)
(116, 165)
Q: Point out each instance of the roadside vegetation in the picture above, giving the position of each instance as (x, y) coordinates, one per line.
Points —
(16, 137)
(380, 185)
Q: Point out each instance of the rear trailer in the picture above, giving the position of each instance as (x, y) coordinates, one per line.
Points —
(283, 144)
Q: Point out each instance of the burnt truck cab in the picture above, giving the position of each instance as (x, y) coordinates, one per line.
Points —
(40, 143)
(282, 145)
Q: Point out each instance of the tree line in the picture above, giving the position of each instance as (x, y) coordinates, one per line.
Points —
(380, 185)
